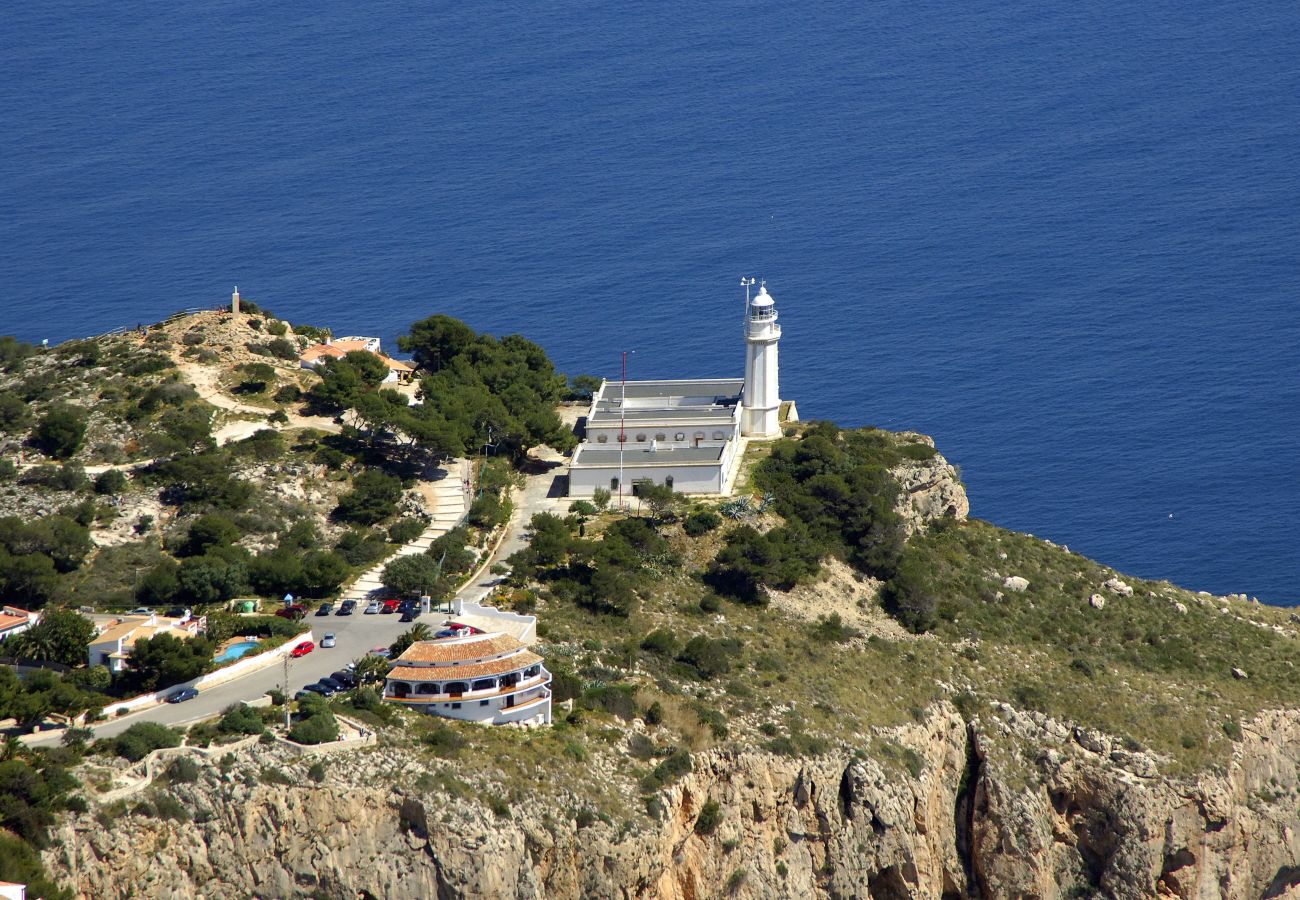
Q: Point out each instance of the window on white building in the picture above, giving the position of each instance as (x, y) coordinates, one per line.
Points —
(602, 438)
(640, 438)
(661, 437)
(679, 436)
(719, 436)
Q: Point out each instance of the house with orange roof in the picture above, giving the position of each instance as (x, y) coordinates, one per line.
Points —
(113, 645)
(15, 621)
(399, 371)
(475, 676)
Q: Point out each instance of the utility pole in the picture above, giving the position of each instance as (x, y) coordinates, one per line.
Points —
(622, 432)
(285, 691)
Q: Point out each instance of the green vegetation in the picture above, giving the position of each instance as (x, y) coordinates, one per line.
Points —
(60, 431)
(316, 723)
(141, 739)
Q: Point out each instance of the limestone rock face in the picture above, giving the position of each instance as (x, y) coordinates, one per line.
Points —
(1011, 804)
(931, 489)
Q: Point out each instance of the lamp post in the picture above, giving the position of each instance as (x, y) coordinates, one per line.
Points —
(622, 432)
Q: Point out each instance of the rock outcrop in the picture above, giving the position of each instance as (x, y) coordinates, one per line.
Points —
(931, 488)
(1011, 804)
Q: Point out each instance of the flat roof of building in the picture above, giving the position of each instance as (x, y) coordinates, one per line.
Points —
(641, 455)
(692, 387)
(606, 413)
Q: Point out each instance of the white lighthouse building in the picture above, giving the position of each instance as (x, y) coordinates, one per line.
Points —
(762, 398)
(686, 434)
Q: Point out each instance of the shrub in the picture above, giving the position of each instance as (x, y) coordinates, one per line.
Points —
(444, 741)
(143, 738)
(709, 819)
(701, 521)
(316, 772)
(708, 656)
(654, 715)
(289, 393)
(183, 770)
(283, 348)
(319, 728)
(373, 497)
(583, 507)
(241, 718)
(406, 530)
(674, 766)
(661, 641)
(111, 481)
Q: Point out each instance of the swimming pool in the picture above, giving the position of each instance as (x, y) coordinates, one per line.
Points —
(235, 651)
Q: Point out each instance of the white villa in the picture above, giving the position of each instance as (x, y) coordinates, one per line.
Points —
(688, 434)
(113, 645)
(486, 677)
(15, 621)
(398, 370)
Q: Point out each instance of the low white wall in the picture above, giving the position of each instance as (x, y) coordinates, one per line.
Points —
(527, 625)
(237, 669)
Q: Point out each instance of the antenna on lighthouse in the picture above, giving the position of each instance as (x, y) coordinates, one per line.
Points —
(746, 283)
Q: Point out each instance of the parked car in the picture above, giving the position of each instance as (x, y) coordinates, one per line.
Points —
(344, 677)
(327, 641)
(312, 688)
(333, 684)
(346, 607)
(381, 652)
(141, 611)
(372, 608)
(182, 695)
(325, 609)
(293, 613)
(409, 615)
(390, 605)
(178, 612)
(302, 649)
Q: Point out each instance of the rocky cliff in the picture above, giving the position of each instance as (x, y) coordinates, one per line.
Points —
(1009, 804)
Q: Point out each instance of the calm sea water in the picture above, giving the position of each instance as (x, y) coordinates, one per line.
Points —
(1061, 238)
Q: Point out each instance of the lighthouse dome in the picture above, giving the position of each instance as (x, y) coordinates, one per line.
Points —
(763, 298)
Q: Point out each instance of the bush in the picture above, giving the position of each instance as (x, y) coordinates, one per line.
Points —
(444, 741)
(654, 715)
(241, 718)
(701, 521)
(708, 656)
(60, 431)
(316, 772)
(111, 482)
(661, 641)
(677, 764)
(143, 738)
(183, 770)
(283, 348)
(289, 393)
(583, 507)
(373, 498)
(406, 530)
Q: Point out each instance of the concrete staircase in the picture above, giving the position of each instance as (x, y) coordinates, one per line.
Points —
(448, 509)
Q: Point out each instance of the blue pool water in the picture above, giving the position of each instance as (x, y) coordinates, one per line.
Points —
(1061, 238)
(235, 651)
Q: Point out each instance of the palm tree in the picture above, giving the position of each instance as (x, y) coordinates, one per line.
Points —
(420, 631)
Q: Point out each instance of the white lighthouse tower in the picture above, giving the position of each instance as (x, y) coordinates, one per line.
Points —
(762, 397)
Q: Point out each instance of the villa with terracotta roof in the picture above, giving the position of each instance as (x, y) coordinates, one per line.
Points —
(15, 621)
(113, 645)
(482, 677)
(336, 348)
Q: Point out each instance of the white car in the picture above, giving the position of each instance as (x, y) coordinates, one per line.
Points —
(327, 641)
(373, 608)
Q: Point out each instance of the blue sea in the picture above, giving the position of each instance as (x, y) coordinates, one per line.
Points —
(1064, 239)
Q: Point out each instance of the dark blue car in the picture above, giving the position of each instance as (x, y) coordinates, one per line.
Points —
(182, 695)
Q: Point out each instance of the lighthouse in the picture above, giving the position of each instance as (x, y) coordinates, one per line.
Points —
(761, 404)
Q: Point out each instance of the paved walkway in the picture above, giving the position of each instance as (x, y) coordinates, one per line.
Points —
(449, 499)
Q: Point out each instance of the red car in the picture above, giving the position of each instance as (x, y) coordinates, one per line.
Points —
(295, 612)
(302, 649)
(390, 606)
